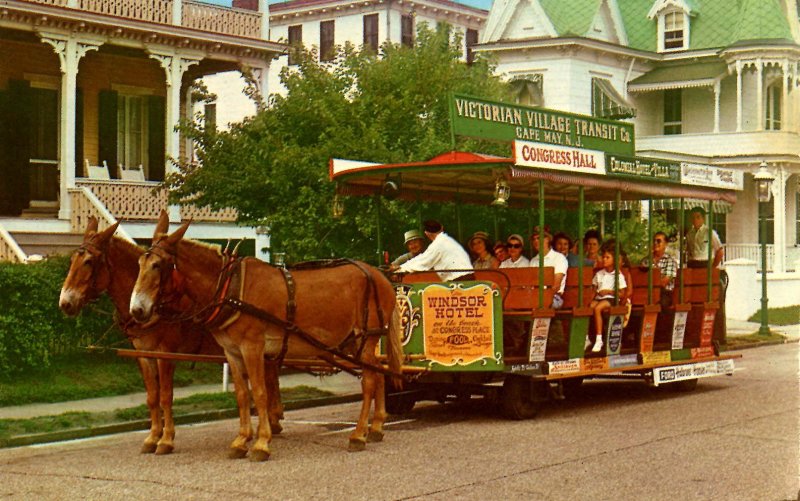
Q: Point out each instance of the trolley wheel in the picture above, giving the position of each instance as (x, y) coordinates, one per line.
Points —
(684, 385)
(522, 396)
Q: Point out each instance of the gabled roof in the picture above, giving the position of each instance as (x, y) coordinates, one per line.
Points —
(714, 23)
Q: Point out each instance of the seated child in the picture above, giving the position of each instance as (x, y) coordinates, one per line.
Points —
(603, 284)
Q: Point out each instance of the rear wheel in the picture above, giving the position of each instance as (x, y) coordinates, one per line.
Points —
(522, 397)
(399, 402)
(571, 386)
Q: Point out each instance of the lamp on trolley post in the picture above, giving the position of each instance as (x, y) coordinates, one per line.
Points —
(763, 180)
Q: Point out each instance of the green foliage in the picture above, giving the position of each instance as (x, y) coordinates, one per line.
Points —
(788, 315)
(633, 233)
(32, 328)
(92, 375)
(273, 167)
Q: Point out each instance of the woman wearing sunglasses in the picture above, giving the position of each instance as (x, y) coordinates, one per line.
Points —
(515, 259)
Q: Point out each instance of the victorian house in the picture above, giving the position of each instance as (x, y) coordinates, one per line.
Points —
(706, 83)
(90, 94)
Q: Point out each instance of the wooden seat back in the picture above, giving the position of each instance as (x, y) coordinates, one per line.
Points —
(519, 287)
(695, 286)
(573, 283)
(639, 278)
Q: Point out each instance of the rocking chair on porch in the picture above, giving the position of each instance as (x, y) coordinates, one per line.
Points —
(97, 171)
(134, 174)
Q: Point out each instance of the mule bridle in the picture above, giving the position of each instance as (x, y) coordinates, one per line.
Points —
(93, 292)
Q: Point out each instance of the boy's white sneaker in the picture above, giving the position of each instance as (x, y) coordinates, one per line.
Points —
(598, 345)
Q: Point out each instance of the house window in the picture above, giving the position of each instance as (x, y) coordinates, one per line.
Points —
(529, 90)
(773, 117)
(326, 41)
(472, 40)
(295, 42)
(672, 111)
(371, 32)
(407, 30)
(674, 30)
(210, 114)
(132, 131)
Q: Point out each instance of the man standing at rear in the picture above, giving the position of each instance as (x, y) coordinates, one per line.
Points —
(444, 253)
(697, 242)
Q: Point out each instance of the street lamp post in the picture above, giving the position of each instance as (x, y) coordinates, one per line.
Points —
(763, 180)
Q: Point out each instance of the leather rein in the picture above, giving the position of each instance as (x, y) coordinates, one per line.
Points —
(224, 297)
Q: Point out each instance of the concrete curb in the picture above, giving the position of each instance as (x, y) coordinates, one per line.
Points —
(144, 424)
(759, 344)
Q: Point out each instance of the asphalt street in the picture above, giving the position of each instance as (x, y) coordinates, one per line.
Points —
(733, 438)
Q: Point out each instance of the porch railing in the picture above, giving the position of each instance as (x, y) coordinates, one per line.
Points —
(85, 205)
(9, 249)
(750, 252)
(143, 201)
(218, 19)
(195, 15)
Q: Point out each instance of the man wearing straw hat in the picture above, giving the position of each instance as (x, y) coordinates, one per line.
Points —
(442, 255)
(415, 243)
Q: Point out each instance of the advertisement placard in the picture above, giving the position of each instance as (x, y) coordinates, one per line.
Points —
(712, 176)
(561, 158)
(678, 329)
(564, 366)
(707, 329)
(648, 332)
(538, 340)
(643, 168)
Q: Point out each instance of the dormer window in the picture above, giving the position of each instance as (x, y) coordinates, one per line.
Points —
(673, 24)
(674, 31)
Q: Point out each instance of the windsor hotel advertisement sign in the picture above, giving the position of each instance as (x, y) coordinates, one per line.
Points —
(509, 122)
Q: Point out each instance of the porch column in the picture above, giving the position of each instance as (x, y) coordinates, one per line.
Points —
(759, 95)
(779, 194)
(263, 9)
(738, 96)
(70, 50)
(717, 85)
(175, 65)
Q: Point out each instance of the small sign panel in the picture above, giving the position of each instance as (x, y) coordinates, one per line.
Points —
(656, 357)
(643, 168)
(648, 332)
(707, 328)
(594, 363)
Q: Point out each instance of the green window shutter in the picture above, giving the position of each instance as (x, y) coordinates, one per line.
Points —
(18, 137)
(79, 163)
(107, 137)
(156, 134)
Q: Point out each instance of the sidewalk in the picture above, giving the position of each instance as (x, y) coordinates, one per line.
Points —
(338, 384)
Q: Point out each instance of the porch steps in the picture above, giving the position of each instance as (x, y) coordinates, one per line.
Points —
(40, 213)
(47, 244)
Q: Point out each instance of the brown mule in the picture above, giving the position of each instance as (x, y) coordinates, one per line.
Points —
(331, 305)
(106, 263)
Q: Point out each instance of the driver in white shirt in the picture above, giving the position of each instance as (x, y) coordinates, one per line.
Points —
(444, 253)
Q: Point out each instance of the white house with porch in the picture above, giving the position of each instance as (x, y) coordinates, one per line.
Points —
(90, 94)
(713, 83)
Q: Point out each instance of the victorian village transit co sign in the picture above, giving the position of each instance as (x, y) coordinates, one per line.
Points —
(509, 122)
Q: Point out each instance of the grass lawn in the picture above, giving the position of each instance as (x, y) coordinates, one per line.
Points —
(91, 375)
(788, 315)
(181, 407)
(735, 342)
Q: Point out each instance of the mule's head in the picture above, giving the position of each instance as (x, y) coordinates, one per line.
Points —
(157, 272)
(88, 274)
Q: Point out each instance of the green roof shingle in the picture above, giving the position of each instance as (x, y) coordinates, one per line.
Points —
(572, 17)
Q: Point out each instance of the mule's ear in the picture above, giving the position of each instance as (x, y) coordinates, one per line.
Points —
(92, 226)
(106, 234)
(177, 235)
(162, 227)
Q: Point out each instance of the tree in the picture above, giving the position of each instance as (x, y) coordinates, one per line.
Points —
(273, 167)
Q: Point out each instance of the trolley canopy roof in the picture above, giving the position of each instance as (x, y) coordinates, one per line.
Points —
(472, 177)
